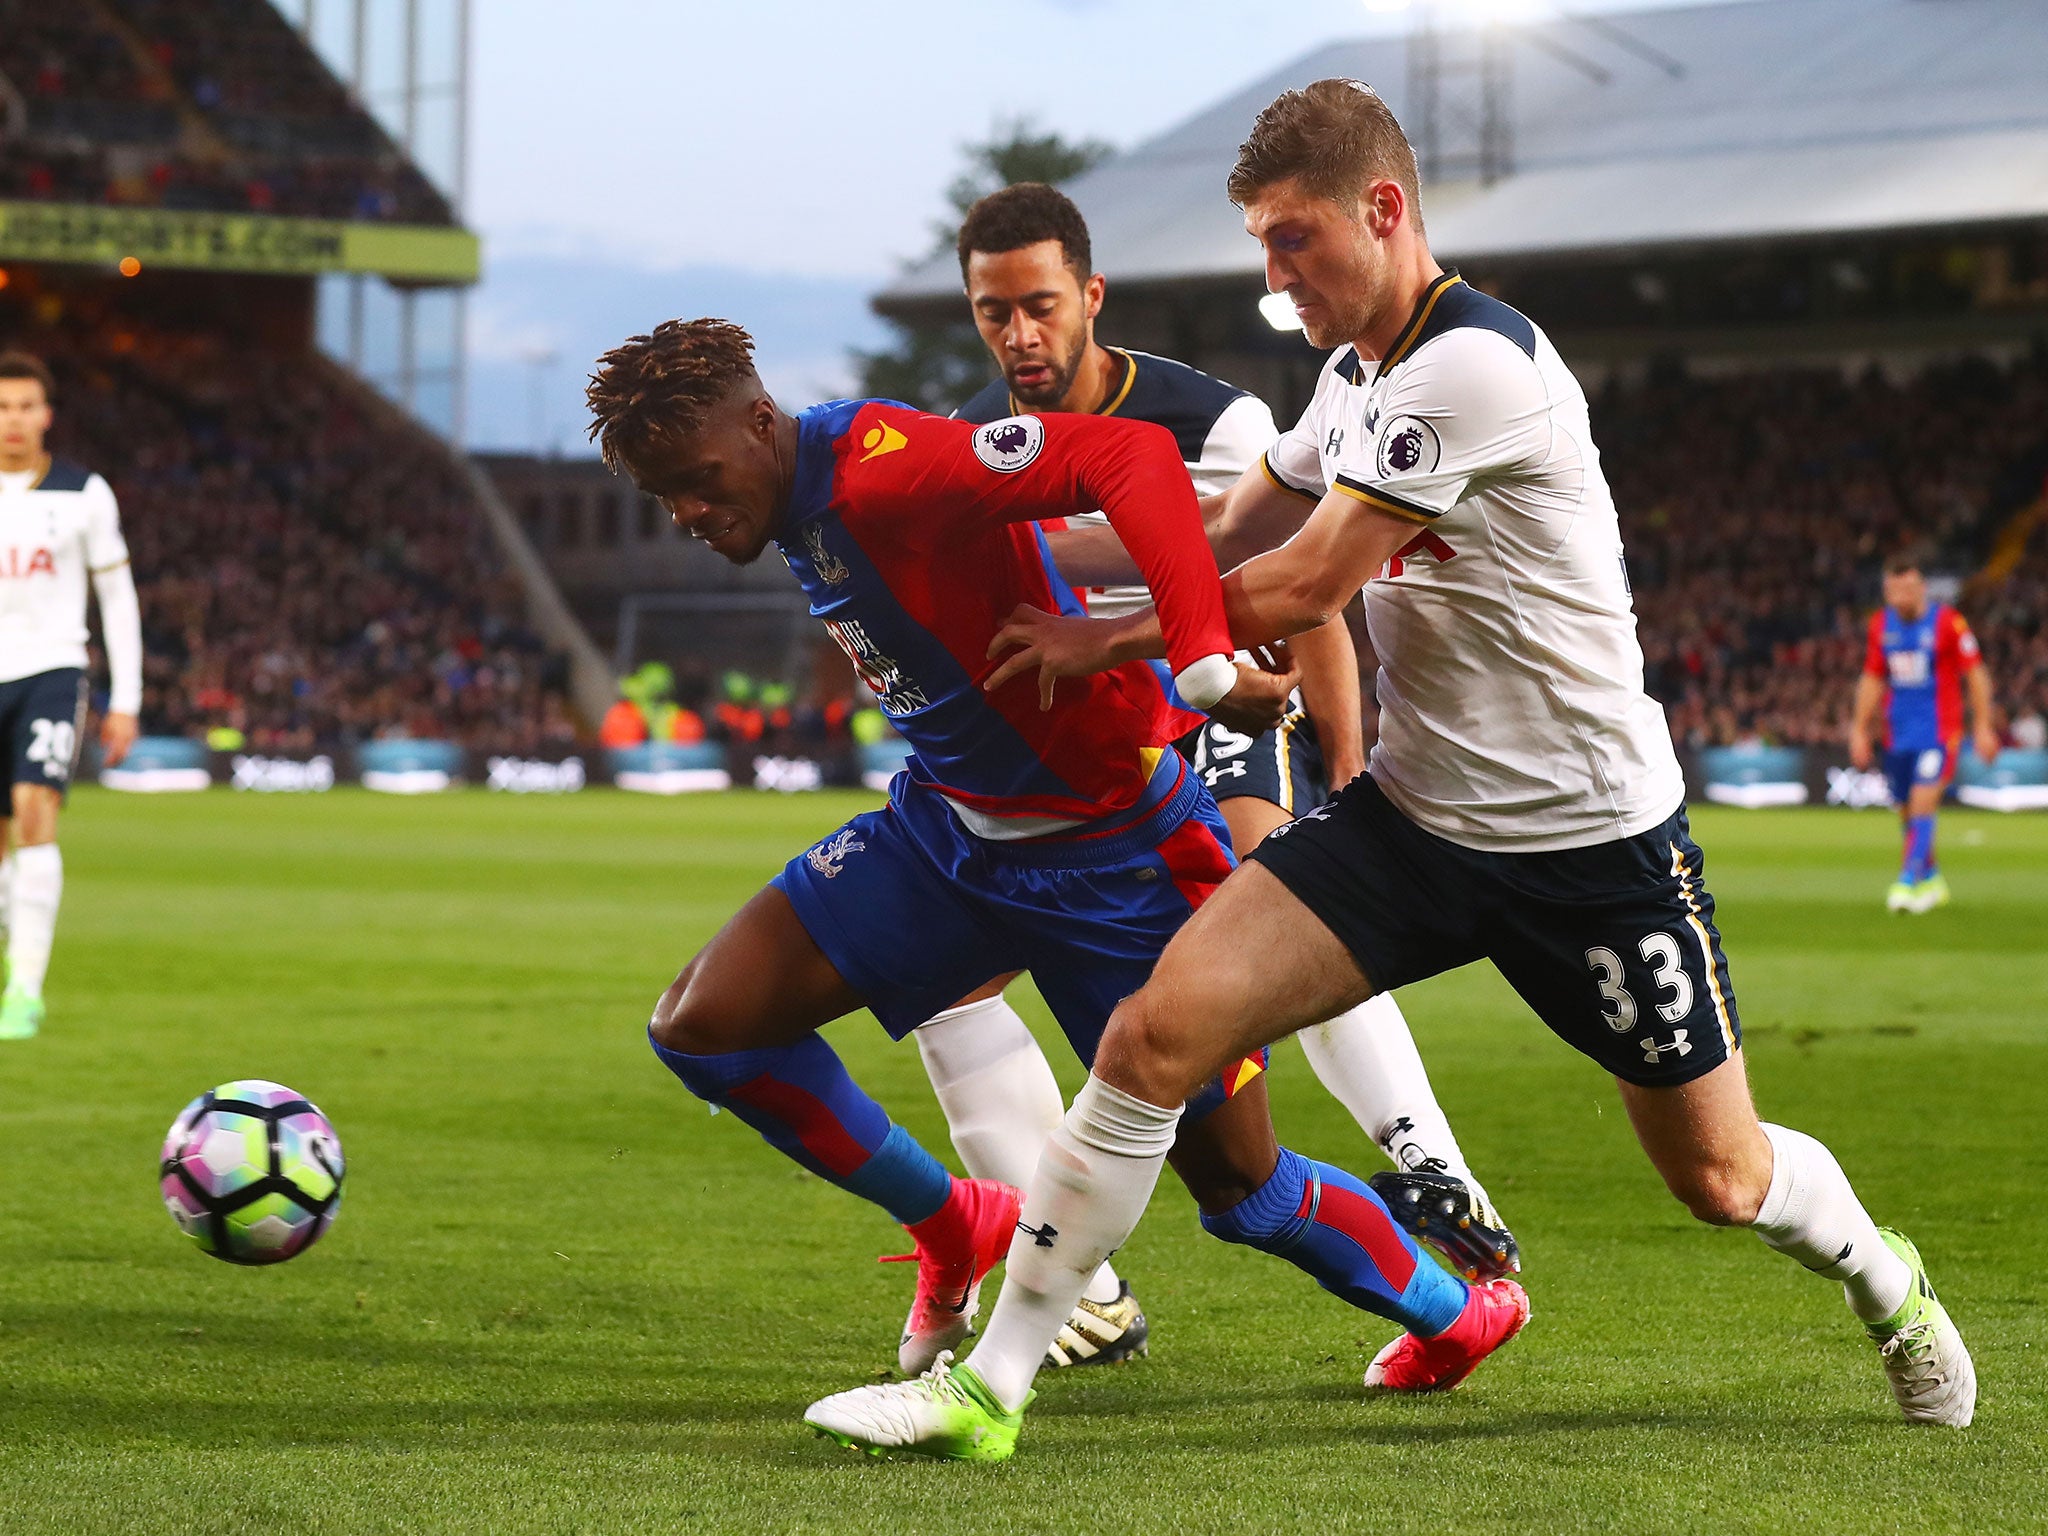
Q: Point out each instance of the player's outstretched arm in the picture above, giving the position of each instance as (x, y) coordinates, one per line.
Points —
(1978, 681)
(113, 587)
(1328, 663)
(1300, 586)
(1863, 720)
(1254, 515)
(1132, 472)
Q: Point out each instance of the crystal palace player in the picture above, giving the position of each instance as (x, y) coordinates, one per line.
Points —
(1918, 662)
(1071, 842)
(1523, 804)
(59, 531)
(1026, 264)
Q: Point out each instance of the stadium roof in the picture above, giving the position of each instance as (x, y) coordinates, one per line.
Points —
(1791, 118)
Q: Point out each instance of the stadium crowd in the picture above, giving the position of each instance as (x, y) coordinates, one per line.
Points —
(1756, 509)
(311, 575)
(108, 89)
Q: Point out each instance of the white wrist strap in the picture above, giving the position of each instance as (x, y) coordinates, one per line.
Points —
(1203, 682)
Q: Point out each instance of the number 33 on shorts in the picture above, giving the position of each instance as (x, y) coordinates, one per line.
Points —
(1664, 983)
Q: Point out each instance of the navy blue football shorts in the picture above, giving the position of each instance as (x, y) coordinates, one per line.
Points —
(1906, 768)
(1613, 945)
(1283, 766)
(41, 720)
(916, 912)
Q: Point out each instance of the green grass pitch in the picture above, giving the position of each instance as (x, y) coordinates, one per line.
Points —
(561, 1297)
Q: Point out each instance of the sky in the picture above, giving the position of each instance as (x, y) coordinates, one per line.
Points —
(776, 161)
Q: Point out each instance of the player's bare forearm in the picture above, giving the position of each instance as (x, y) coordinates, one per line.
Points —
(1306, 582)
(1300, 586)
(1091, 556)
(1328, 663)
(1253, 516)
(1981, 717)
(1863, 718)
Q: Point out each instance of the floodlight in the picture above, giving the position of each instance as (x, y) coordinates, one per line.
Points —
(1279, 312)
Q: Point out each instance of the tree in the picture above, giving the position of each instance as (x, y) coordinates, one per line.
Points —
(937, 366)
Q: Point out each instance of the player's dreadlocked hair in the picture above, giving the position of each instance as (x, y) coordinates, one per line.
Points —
(1335, 137)
(655, 390)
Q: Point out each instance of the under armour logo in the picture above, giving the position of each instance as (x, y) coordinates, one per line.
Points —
(1401, 1127)
(1653, 1052)
(1334, 443)
(1041, 1237)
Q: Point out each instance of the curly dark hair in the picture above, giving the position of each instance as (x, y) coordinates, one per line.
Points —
(1024, 214)
(654, 390)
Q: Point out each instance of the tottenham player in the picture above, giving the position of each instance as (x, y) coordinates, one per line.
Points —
(1522, 805)
(58, 527)
(1919, 660)
(1026, 264)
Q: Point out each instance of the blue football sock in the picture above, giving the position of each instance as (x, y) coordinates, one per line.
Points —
(1919, 864)
(805, 1106)
(1321, 1219)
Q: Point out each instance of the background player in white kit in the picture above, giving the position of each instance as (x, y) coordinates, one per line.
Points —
(1025, 261)
(1523, 804)
(59, 528)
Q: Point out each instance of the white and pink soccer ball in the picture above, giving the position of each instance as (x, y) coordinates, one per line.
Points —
(252, 1172)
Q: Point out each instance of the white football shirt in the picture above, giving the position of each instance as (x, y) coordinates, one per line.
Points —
(59, 527)
(1512, 711)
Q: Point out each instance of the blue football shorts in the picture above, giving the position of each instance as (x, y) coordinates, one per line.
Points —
(916, 912)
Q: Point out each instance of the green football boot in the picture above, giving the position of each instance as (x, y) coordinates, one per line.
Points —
(946, 1413)
(1930, 893)
(1930, 1371)
(21, 1015)
(1899, 898)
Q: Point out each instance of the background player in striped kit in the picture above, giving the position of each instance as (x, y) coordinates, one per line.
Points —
(1920, 659)
(59, 530)
(1274, 748)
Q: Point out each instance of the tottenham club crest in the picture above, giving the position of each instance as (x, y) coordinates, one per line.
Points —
(1009, 445)
(830, 856)
(1408, 446)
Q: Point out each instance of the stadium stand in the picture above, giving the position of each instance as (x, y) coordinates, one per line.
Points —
(1811, 306)
(311, 574)
(317, 569)
(212, 106)
(1757, 507)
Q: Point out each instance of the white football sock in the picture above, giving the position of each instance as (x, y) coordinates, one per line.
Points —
(6, 881)
(38, 886)
(999, 1096)
(1366, 1057)
(1093, 1182)
(1812, 1215)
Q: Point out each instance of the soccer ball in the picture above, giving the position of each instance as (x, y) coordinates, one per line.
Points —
(251, 1172)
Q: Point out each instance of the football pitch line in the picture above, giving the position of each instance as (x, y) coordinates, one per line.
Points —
(559, 1296)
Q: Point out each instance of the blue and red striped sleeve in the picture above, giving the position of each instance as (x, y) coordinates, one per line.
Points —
(1954, 645)
(913, 478)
